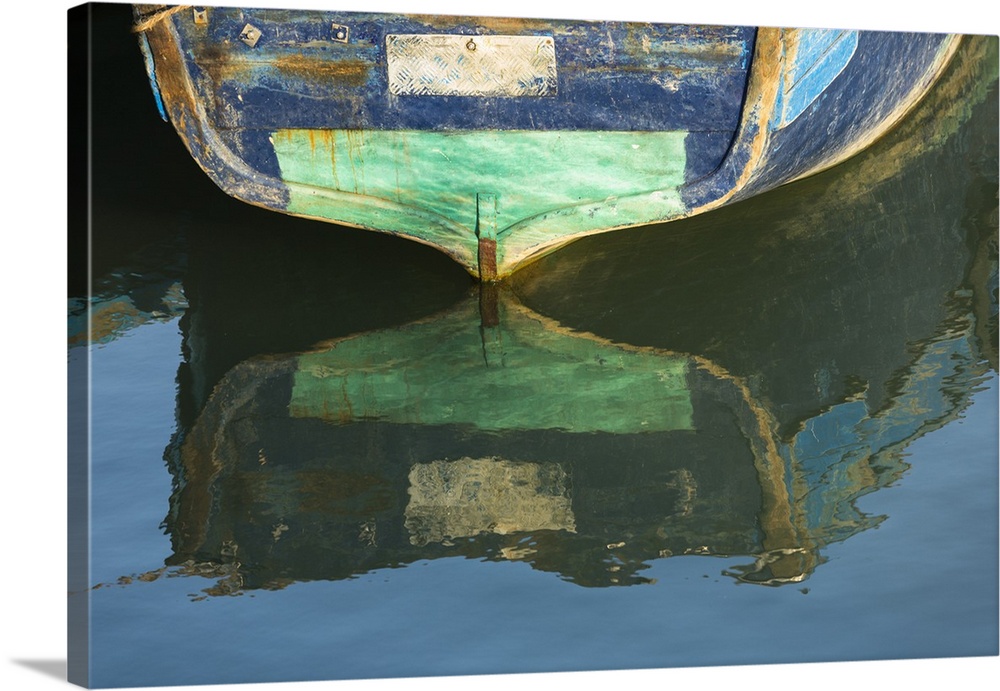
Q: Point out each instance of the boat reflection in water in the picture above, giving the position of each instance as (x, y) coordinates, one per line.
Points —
(503, 439)
(733, 397)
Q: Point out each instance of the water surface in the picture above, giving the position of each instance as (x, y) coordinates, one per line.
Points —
(767, 434)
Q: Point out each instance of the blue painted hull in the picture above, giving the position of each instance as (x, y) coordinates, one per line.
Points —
(754, 108)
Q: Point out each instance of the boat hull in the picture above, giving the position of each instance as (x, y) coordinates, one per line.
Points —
(500, 140)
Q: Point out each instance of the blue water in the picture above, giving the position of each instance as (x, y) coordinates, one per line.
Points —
(923, 584)
(831, 495)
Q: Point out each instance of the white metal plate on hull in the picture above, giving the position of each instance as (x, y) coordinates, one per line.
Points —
(456, 65)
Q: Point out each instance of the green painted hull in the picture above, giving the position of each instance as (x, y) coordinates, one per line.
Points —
(428, 186)
(498, 141)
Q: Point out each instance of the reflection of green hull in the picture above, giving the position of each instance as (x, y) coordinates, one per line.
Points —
(352, 457)
(522, 376)
(450, 437)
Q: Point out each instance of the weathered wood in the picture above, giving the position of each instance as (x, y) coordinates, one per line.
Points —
(380, 121)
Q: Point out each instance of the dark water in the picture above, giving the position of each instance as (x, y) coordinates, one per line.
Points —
(767, 434)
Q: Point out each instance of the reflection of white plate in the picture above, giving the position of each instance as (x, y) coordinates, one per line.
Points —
(463, 498)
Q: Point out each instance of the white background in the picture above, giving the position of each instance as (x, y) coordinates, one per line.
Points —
(33, 256)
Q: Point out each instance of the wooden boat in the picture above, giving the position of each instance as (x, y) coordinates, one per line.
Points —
(313, 444)
(500, 140)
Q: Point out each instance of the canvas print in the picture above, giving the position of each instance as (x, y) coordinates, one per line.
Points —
(415, 345)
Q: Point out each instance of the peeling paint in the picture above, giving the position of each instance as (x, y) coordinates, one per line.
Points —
(635, 132)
